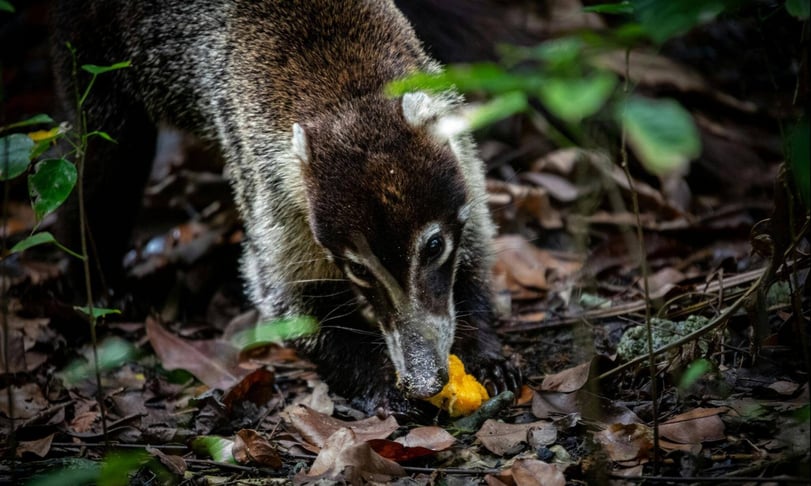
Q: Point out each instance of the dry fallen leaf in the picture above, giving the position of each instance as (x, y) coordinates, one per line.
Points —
(28, 401)
(419, 442)
(694, 427)
(38, 447)
(213, 362)
(256, 387)
(568, 380)
(251, 447)
(525, 266)
(625, 443)
(344, 449)
(507, 439)
(317, 427)
(532, 472)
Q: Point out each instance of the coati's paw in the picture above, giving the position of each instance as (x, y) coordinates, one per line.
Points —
(496, 373)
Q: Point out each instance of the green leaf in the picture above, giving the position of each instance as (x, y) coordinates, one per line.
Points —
(33, 240)
(573, 99)
(611, 8)
(798, 152)
(497, 109)
(6, 6)
(275, 332)
(50, 185)
(484, 77)
(93, 69)
(661, 132)
(117, 467)
(560, 56)
(97, 311)
(34, 120)
(104, 135)
(218, 448)
(15, 155)
(799, 8)
(113, 352)
(40, 239)
(79, 472)
(663, 19)
(694, 372)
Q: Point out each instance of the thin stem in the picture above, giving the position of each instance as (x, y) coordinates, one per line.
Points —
(11, 442)
(643, 265)
(81, 152)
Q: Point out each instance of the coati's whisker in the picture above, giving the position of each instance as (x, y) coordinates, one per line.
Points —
(316, 280)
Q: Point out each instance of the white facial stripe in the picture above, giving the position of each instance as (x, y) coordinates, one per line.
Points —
(395, 347)
(367, 258)
(357, 281)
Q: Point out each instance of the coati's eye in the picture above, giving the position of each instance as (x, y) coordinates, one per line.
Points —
(434, 247)
(361, 274)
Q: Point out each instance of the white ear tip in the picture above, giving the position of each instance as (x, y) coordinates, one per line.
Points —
(299, 142)
(417, 108)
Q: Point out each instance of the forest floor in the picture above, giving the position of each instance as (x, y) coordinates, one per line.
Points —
(725, 254)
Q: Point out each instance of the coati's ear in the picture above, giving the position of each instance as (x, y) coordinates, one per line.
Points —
(301, 147)
(419, 109)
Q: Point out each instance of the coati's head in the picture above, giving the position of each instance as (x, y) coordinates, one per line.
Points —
(387, 200)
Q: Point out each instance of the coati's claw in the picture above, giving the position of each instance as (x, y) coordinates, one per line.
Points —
(498, 375)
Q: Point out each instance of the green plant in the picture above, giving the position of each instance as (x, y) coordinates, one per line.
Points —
(51, 181)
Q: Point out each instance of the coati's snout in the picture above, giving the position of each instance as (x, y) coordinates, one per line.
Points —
(390, 211)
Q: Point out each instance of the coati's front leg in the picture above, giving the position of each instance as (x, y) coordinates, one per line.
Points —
(476, 342)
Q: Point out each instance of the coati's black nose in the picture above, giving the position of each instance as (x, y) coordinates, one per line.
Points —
(425, 385)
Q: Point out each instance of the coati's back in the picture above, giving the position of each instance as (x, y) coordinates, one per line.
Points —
(358, 210)
(298, 57)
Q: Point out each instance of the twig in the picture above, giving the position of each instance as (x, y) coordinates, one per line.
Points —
(717, 321)
(81, 152)
(12, 438)
(643, 265)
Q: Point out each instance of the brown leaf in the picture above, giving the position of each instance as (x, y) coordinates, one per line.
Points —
(532, 472)
(568, 380)
(557, 187)
(783, 387)
(344, 449)
(549, 404)
(625, 443)
(213, 362)
(527, 266)
(524, 203)
(317, 427)
(661, 282)
(175, 464)
(251, 447)
(650, 69)
(695, 427)
(419, 442)
(256, 387)
(38, 447)
(396, 451)
(319, 400)
(28, 401)
(506, 439)
(83, 422)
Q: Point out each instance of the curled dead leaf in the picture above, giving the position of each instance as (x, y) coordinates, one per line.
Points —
(251, 447)
(317, 427)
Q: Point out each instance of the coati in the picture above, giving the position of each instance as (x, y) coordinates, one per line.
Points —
(358, 210)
